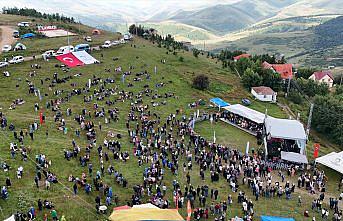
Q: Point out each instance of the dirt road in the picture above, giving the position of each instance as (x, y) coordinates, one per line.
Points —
(6, 36)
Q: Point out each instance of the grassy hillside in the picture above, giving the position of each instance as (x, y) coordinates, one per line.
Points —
(142, 56)
(39, 45)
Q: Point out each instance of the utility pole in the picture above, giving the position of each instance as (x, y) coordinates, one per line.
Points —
(340, 83)
(309, 120)
(288, 86)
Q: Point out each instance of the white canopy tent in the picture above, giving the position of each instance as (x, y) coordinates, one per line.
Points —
(146, 205)
(246, 112)
(286, 129)
(294, 157)
(333, 160)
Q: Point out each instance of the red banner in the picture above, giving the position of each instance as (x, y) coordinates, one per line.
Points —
(69, 59)
(41, 121)
(316, 150)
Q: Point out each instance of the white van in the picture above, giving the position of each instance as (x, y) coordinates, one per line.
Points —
(16, 60)
(65, 50)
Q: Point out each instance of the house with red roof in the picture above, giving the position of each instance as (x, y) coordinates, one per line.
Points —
(285, 70)
(325, 77)
(236, 58)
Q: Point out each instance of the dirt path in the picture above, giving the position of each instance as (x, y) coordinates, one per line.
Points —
(6, 36)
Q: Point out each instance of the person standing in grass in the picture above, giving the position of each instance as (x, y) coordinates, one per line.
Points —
(54, 215)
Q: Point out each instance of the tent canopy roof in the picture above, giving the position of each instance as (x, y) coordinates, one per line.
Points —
(136, 214)
(294, 157)
(285, 129)
(246, 112)
(333, 160)
(275, 218)
(219, 102)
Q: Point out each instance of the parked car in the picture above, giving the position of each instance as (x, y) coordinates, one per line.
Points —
(106, 44)
(246, 102)
(3, 64)
(16, 60)
(24, 24)
(82, 47)
(49, 54)
(15, 34)
(88, 38)
(65, 49)
(116, 43)
(6, 48)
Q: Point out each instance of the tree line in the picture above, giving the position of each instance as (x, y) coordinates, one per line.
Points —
(36, 14)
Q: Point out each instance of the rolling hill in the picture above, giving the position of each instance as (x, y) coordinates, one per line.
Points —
(320, 45)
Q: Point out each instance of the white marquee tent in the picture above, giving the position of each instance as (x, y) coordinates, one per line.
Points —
(286, 129)
(333, 160)
(246, 112)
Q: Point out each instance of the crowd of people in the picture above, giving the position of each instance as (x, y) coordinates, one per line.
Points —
(162, 144)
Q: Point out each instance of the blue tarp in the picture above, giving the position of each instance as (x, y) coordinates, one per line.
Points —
(28, 35)
(275, 218)
(219, 102)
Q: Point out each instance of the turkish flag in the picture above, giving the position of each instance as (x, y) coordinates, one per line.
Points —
(70, 60)
(316, 150)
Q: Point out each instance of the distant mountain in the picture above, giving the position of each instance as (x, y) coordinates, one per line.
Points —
(221, 19)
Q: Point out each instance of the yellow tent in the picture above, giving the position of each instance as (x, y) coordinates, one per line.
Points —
(148, 214)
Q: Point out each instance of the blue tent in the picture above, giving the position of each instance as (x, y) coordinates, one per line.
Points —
(275, 218)
(28, 35)
(219, 102)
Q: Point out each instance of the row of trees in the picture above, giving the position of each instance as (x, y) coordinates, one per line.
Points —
(167, 41)
(36, 14)
(328, 115)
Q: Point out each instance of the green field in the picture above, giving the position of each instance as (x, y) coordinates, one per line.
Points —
(176, 76)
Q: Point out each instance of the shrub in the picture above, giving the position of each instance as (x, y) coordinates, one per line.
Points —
(201, 82)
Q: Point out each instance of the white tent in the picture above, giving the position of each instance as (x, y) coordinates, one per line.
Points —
(286, 129)
(11, 218)
(246, 112)
(333, 160)
(146, 205)
(294, 157)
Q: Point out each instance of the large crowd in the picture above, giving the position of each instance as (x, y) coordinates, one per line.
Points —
(160, 143)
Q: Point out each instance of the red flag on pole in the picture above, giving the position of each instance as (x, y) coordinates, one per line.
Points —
(189, 210)
(41, 117)
(316, 150)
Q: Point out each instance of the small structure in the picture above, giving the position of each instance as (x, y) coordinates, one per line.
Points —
(187, 44)
(28, 35)
(219, 102)
(285, 70)
(96, 32)
(263, 93)
(19, 46)
(275, 218)
(236, 58)
(323, 77)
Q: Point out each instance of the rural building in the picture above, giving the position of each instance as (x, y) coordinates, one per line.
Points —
(236, 58)
(325, 77)
(263, 93)
(187, 44)
(285, 70)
